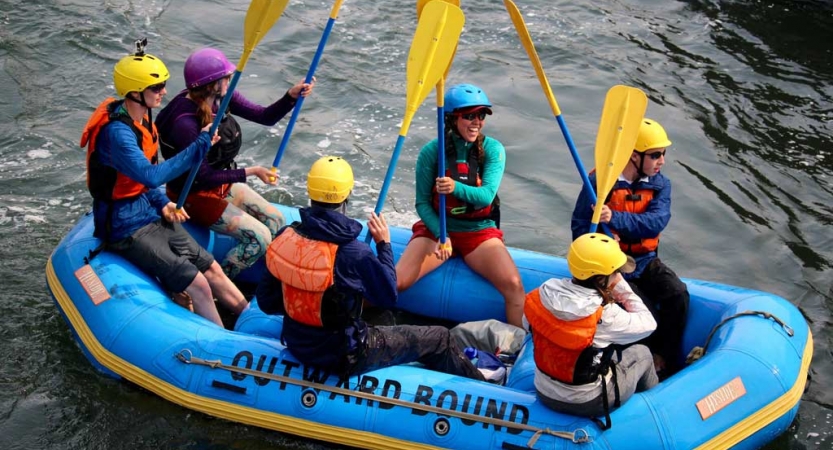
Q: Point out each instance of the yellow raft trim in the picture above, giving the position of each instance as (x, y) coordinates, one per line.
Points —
(317, 431)
(769, 413)
(225, 410)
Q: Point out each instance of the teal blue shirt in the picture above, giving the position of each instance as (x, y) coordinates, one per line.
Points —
(479, 196)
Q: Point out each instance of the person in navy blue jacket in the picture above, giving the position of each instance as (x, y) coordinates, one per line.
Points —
(319, 275)
(636, 211)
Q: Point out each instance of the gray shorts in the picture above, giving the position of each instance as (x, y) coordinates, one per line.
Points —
(166, 251)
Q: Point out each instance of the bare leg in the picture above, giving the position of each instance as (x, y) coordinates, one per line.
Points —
(252, 237)
(416, 261)
(492, 261)
(200, 292)
(226, 292)
(247, 199)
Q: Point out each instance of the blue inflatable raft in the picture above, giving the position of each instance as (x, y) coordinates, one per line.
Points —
(742, 393)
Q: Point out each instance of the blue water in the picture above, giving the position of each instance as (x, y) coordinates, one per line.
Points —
(742, 87)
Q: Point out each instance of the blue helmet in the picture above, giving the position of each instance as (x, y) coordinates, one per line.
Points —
(462, 96)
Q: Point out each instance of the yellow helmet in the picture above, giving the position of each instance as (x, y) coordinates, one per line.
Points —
(651, 136)
(134, 73)
(596, 254)
(330, 180)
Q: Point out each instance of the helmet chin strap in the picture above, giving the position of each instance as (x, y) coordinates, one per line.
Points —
(142, 102)
(639, 172)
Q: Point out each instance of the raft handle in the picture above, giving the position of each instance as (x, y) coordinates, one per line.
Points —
(698, 352)
(229, 387)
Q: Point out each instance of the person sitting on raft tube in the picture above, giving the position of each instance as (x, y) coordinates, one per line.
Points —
(132, 214)
(220, 198)
(474, 169)
(581, 328)
(636, 211)
(318, 275)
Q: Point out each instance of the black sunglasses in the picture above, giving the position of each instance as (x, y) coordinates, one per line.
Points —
(656, 155)
(156, 88)
(470, 116)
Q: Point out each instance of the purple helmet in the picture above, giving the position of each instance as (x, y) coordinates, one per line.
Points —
(206, 65)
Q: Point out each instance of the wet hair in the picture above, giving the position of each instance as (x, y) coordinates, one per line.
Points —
(451, 130)
(600, 284)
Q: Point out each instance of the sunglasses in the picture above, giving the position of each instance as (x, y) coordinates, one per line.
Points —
(656, 155)
(470, 116)
(156, 88)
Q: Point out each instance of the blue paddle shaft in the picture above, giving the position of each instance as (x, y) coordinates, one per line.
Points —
(394, 157)
(314, 65)
(441, 166)
(214, 125)
(584, 178)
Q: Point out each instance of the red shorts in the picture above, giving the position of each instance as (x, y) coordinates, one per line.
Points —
(462, 242)
(204, 207)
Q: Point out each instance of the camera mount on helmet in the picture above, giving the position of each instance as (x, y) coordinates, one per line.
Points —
(140, 46)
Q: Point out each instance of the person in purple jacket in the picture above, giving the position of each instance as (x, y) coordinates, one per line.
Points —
(319, 276)
(220, 198)
(132, 215)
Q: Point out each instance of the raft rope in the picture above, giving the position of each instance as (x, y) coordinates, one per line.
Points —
(577, 437)
(698, 352)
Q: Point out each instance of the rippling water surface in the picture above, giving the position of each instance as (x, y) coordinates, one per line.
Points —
(743, 88)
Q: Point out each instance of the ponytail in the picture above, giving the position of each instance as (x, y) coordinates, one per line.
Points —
(600, 284)
(200, 96)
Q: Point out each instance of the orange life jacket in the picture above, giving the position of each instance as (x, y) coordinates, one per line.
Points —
(103, 181)
(305, 268)
(636, 202)
(563, 349)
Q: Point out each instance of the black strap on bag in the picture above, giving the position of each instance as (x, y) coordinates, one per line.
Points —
(606, 364)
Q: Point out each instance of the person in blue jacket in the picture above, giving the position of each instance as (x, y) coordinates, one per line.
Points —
(636, 211)
(132, 214)
(319, 275)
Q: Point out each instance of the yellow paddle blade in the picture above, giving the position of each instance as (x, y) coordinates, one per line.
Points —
(623, 112)
(526, 40)
(260, 17)
(440, 84)
(421, 4)
(431, 51)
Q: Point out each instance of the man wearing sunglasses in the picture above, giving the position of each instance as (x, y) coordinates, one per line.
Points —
(636, 211)
(132, 214)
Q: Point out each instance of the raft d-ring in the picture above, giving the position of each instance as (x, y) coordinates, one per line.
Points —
(787, 329)
(309, 398)
(185, 356)
(581, 436)
(441, 426)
